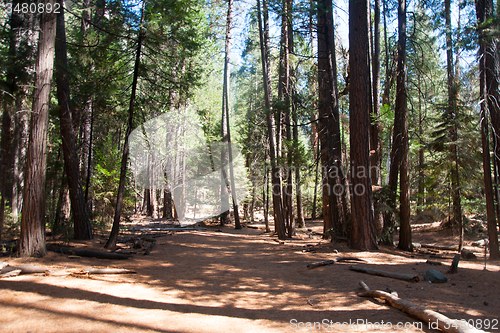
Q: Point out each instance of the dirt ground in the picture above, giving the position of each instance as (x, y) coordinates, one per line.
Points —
(223, 280)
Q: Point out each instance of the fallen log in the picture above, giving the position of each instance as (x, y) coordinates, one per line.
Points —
(432, 318)
(88, 253)
(150, 248)
(109, 271)
(25, 269)
(440, 247)
(166, 229)
(12, 273)
(399, 276)
(331, 262)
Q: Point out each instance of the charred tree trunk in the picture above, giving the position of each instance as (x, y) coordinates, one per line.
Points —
(32, 239)
(82, 228)
(363, 233)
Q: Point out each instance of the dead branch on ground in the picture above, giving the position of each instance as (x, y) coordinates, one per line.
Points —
(444, 323)
(331, 262)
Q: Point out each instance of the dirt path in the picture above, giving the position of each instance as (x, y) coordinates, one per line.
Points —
(225, 280)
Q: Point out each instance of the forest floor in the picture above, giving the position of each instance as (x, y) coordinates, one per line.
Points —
(220, 279)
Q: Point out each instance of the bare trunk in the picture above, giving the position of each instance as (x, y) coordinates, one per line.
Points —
(113, 237)
(375, 142)
(82, 228)
(334, 183)
(451, 115)
(226, 137)
(275, 170)
(401, 112)
(363, 233)
(484, 9)
(32, 239)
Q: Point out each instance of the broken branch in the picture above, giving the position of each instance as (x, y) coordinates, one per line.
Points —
(88, 253)
(444, 323)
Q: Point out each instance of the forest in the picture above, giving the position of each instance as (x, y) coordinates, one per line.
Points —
(353, 123)
(397, 126)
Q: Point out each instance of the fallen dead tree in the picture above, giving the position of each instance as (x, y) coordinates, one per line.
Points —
(109, 271)
(432, 318)
(88, 253)
(9, 271)
(399, 276)
(440, 247)
(331, 262)
(168, 229)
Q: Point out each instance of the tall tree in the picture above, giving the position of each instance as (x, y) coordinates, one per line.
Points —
(488, 88)
(334, 189)
(375, 141)
(363, 234)
(32, 239)
(113, 237)
(451, 117)
(283, 109)
(402, 139)
(81, 220)
(226, 131)
(263, 20)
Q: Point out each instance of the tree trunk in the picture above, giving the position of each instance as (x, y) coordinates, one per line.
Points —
(284, 96)
(401, 112)
(226, 137)
(484, 9)
(63, 209)
(32, 239)
(279, 223)
(363, 233)
(82, 228)
(334, 186)
(113, 237)
(167, 203)
(375, 142)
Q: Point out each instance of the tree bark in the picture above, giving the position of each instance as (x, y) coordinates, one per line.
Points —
(32, 239)
(363, 234)
(113, 237)
(401, 111)
(81, 220)
(334, 182)
(484, 9)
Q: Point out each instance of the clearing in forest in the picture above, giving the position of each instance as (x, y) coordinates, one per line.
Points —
(217, 279)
